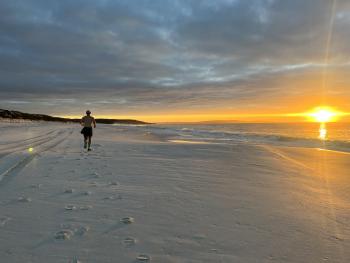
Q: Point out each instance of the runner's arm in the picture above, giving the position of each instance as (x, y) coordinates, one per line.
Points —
(94, 121)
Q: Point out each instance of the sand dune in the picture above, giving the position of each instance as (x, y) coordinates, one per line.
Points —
(138, 197)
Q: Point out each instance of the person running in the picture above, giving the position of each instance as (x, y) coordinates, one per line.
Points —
(87, 122)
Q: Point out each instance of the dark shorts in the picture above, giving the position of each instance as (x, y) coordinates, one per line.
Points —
(87, 131)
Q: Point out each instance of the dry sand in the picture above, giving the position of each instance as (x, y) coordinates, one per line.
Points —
(138, 197)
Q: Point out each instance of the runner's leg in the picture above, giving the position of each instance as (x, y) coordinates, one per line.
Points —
(89, 142)
(85, 141)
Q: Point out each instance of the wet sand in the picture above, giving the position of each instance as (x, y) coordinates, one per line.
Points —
(139, 197)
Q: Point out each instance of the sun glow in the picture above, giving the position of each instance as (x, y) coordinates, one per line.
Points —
(323, 115)
(320, 114)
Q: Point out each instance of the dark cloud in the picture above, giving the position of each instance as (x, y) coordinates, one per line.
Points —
(148, 55)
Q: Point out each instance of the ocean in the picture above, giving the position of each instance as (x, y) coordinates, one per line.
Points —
(332, 136)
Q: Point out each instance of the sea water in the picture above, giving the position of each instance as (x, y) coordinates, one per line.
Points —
(333, 136)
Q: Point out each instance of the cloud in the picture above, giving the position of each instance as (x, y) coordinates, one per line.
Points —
(147, 55)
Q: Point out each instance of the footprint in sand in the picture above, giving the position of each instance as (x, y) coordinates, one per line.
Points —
(87, 193)
(114, 183)
(199, 237)
(24, 199)
(127, 220)
(96, 175)
(75, 261)
(76, 229)
(4, 220)
(70, 207)
(81, 231)
(143, 257)
(93, 184)
(129, 241)
(112, 197)
(64, 234)
(85, 207)
(36, 185)
(69, 191)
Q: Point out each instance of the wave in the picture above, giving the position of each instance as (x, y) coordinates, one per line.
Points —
(219, 136)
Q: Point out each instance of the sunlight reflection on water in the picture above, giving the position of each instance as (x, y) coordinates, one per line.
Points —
(323, 132)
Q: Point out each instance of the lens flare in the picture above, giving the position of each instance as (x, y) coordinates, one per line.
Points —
(30, 149)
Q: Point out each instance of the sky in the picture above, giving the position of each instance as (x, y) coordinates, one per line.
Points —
(173, 60)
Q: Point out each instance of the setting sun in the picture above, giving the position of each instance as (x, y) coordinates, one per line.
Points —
(323, 114)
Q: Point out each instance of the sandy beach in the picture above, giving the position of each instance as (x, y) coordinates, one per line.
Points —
(140, 195)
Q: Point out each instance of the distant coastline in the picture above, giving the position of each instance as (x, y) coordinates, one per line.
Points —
(10, 114)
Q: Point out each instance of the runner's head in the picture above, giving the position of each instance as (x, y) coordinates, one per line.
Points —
(88, 112)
